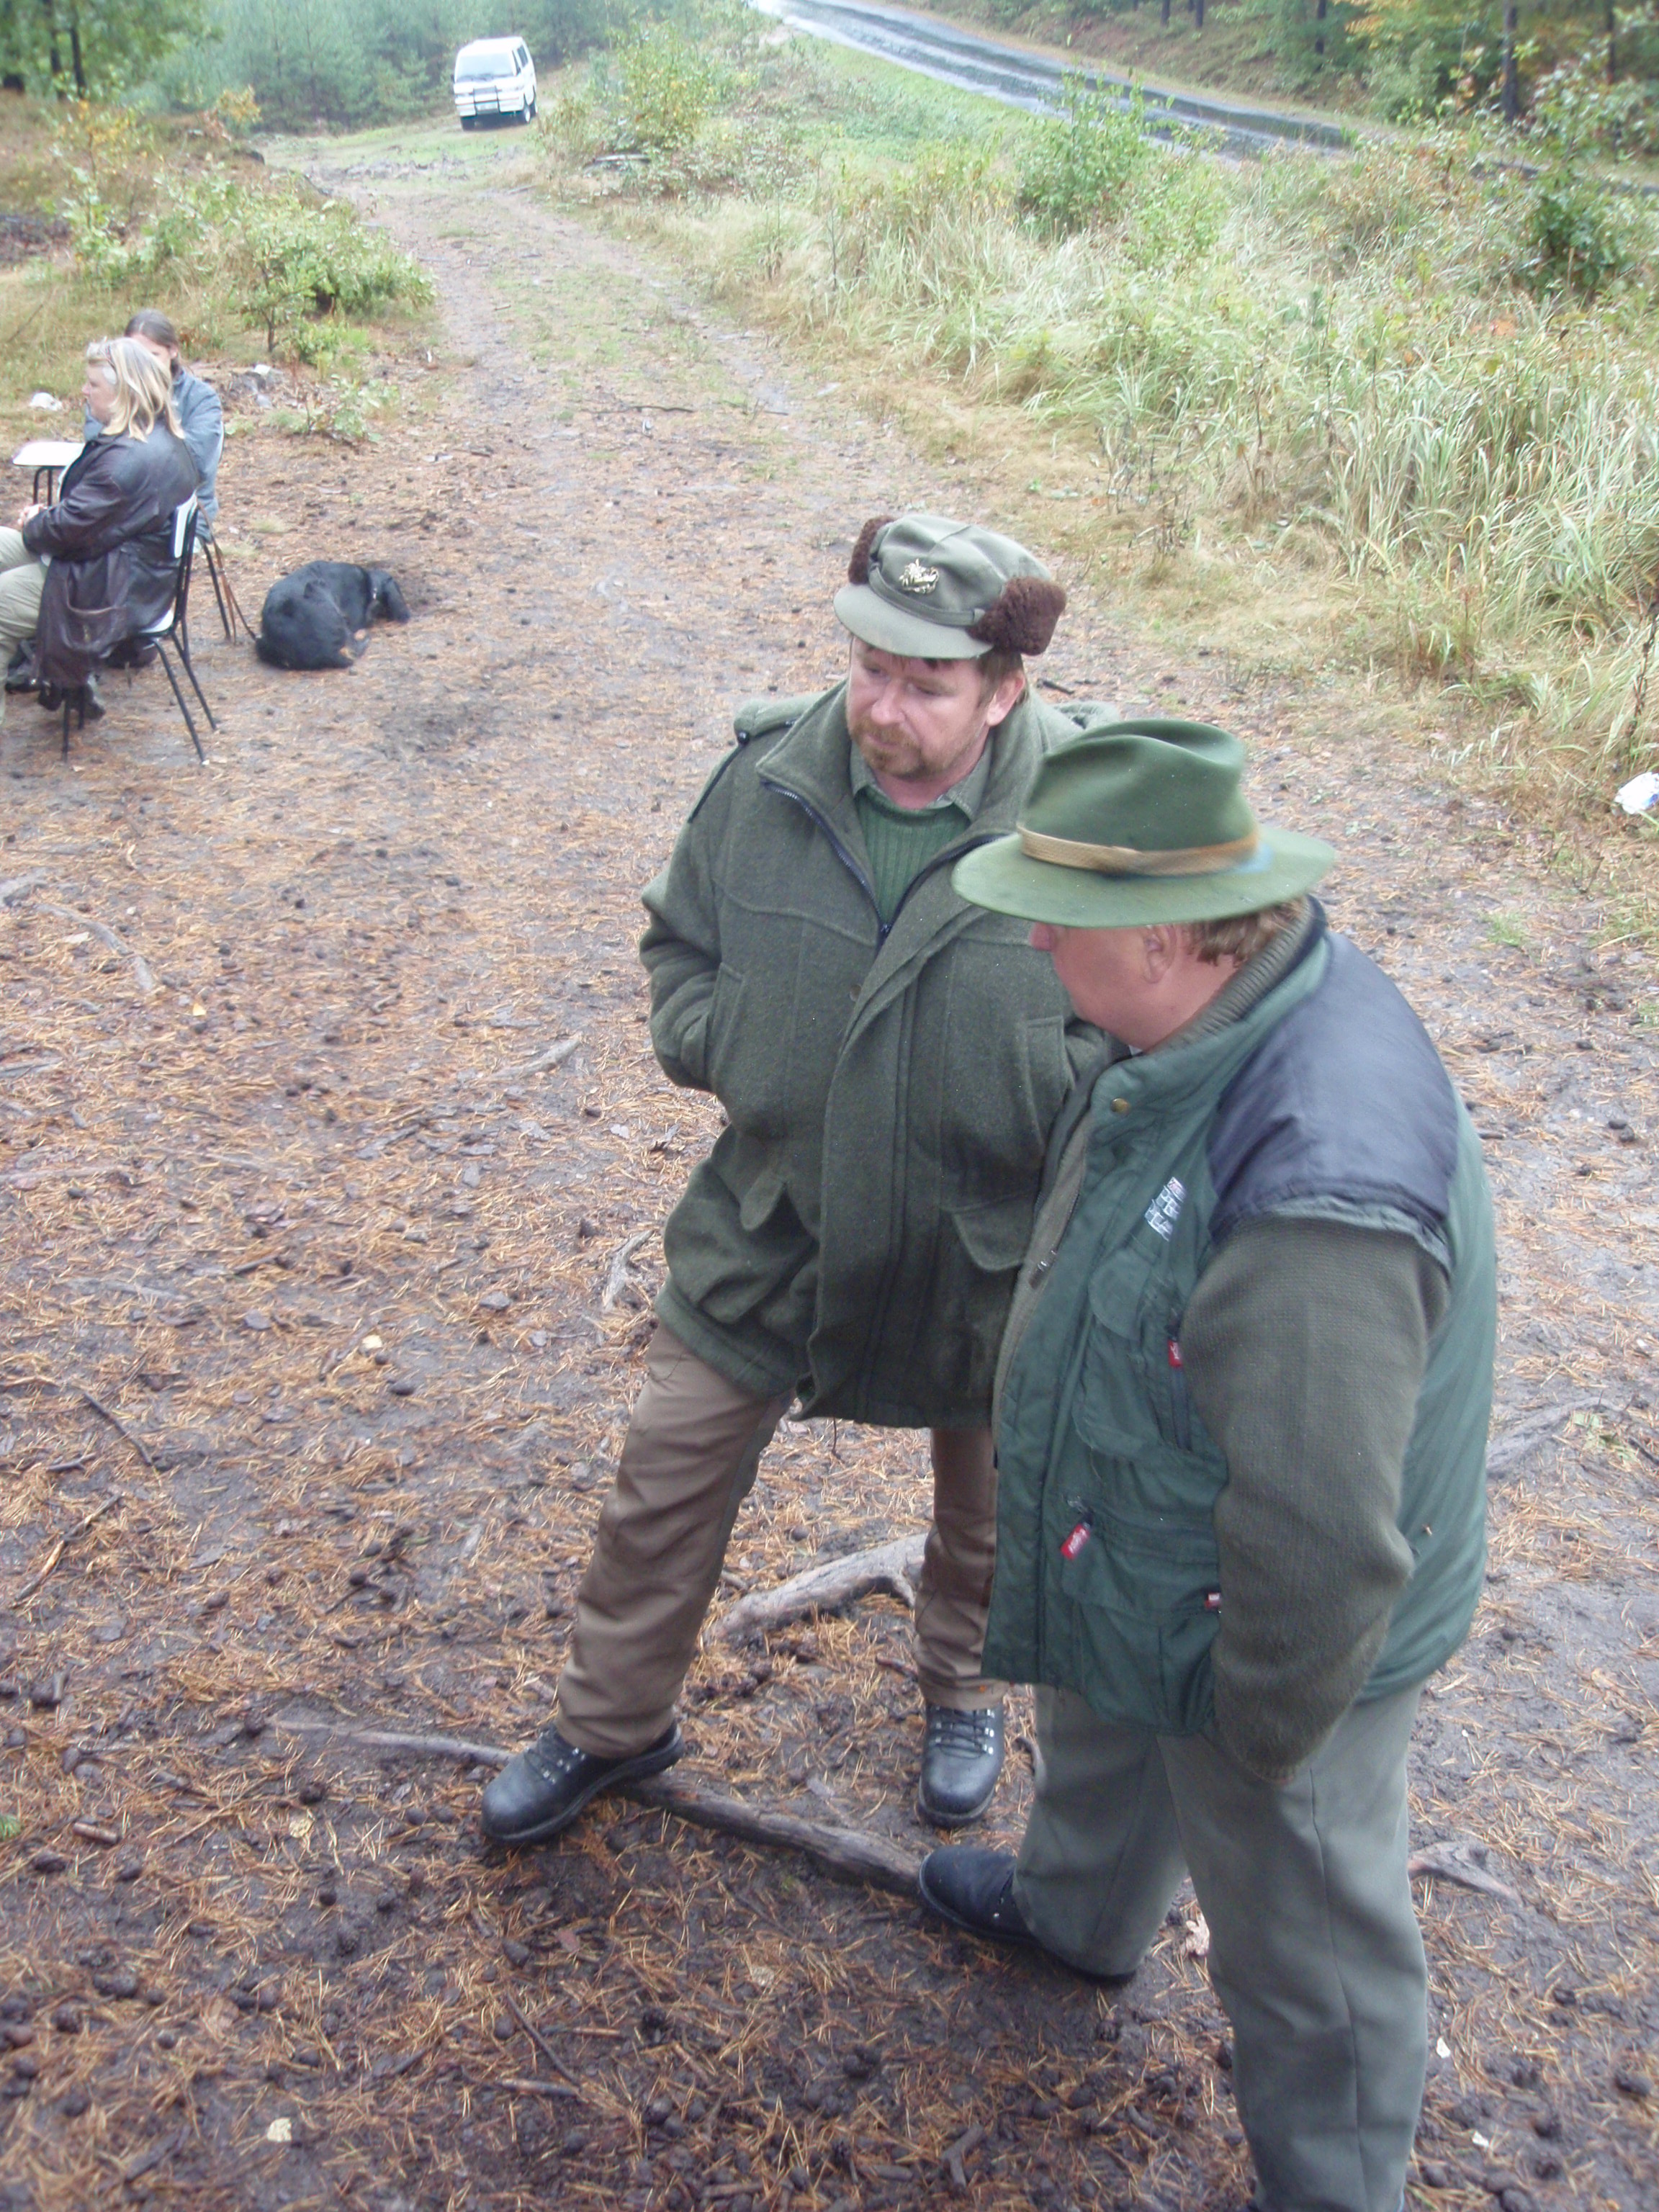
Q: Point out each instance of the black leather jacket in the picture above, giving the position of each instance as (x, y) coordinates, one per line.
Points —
(109, 540)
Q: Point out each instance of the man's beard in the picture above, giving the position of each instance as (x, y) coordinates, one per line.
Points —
(893, 751)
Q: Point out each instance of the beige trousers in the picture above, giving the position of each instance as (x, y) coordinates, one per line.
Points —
(689, 1459)
(21, 581)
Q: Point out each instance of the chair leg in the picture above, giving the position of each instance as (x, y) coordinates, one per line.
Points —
(183, 655)
(218, 595)
(75, 702)
(229, 612)
(180, 696)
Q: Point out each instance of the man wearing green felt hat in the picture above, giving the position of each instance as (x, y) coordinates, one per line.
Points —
(889, 1058)
(1241, 1421)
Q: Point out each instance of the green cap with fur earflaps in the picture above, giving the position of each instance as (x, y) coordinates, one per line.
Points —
(930, 589)
(1138, 824)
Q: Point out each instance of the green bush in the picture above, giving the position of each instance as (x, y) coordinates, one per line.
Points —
(1081, 162)
(1577, 235)
(293, 268)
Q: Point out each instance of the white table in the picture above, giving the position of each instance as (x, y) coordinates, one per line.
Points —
(46, 457)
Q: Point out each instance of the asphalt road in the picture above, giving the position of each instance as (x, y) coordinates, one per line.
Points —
(1023, 78)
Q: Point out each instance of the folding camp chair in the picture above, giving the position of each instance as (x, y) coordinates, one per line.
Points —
(173, 629)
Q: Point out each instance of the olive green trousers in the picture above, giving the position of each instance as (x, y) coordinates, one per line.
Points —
(1314, 1952)
(21, 581)
(691, 1453)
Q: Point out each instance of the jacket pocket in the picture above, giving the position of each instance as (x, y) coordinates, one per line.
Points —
(723, 1028)
(1142, 1596)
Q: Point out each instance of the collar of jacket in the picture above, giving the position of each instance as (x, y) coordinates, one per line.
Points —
(810, 764)
(1206, 1056)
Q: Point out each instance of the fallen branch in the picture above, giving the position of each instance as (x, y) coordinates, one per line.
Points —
(618, 1283)
(555, 1056)
(540, 2089)
(539, 2039)
(893, 1567)
(1454, 1863)
(16, 887)
(58, 1550)
(851, 1854)
(118, 1426)
(1511, 1446)
(108, 940)
(425, 1747)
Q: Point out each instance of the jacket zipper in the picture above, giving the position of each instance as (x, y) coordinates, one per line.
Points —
(883, 929)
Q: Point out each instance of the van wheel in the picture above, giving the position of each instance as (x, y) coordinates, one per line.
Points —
(469, 123)
(530, 113)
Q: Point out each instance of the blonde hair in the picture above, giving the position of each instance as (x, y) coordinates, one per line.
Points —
(1239, 937)
(143, 391)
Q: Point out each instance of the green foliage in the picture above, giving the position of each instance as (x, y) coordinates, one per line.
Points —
(1081, 162)
(94, 48)
(659, 93)
(1577, 235)
(1310, 39)
(295, 268)
(1575, 108)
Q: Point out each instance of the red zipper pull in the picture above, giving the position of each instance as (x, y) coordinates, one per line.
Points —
(1075, 1543)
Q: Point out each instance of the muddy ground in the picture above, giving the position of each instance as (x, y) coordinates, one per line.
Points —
(309, 1397)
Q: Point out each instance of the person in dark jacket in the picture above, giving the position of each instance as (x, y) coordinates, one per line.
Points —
(889, 1059)
(1241, 1421)
(96, 566)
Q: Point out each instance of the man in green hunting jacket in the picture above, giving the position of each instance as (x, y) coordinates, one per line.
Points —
(890, 1059)
(1241, 1428)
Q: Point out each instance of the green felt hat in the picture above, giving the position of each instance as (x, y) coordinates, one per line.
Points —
(1138, 824)
(930, 589)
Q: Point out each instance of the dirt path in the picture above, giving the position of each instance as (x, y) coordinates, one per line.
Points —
(327, 1250)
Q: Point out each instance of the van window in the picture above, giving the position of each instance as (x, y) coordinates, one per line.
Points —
(524, 57)
(479, 68)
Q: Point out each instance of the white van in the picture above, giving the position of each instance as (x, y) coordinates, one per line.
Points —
(494, 77)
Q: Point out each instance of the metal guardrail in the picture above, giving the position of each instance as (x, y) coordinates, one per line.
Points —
(1031, 81)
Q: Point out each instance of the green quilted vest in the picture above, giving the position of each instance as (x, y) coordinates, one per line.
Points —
(1107, 1578)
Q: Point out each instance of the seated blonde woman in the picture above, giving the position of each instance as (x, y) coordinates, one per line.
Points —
(96, 566)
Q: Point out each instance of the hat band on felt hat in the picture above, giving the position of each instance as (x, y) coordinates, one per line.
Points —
(1128, 860)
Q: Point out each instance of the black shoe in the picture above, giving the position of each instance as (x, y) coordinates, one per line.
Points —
(961, 1760)
(542, 1790)
(20, 669)
(974, 1890)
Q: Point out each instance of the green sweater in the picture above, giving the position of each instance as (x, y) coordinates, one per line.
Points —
(900, 841)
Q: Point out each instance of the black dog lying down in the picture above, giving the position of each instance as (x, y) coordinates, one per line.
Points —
(318, 617)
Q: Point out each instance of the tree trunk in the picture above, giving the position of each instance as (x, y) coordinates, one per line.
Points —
(1612, 42)
(53, 57)
(1198, 13)
(1319, 17)
(75, 52)
(1164, 14)
(1511, 89)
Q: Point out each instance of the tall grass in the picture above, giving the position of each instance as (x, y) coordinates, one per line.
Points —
(1380, 378)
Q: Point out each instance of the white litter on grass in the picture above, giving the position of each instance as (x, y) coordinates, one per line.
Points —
(43, 404)
(280, 2130)
(1195, 1944)
(1442, 2048)
(1640, 793)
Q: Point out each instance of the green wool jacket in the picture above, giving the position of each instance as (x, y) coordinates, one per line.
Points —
(1315, 1129)
(855, 1232)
